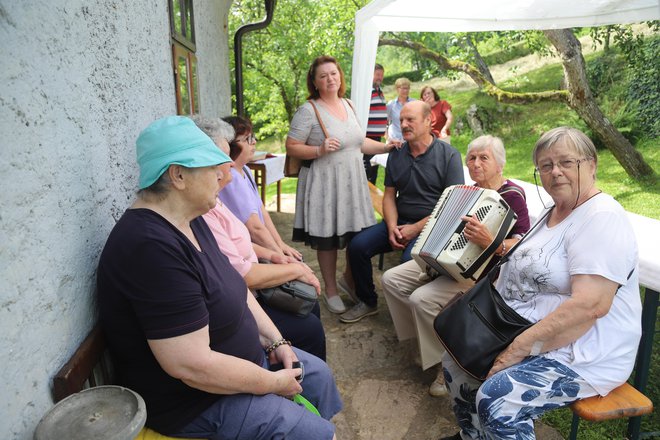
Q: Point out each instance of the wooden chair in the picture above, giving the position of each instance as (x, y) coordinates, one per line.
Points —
(377, 202)
(376, 198)
(90, 366)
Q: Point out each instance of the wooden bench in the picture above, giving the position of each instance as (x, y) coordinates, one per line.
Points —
(376, 198)
(626, 401)
(91, 366)
(623, 402)
(377, 202)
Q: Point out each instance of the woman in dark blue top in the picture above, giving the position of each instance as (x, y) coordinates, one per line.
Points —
(181, 325)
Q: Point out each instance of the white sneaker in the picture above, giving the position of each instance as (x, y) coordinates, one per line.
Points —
(438, 387)
(334, 304)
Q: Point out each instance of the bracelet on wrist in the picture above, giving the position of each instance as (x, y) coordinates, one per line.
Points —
(318, 151)
(272, 347)
(503, 251)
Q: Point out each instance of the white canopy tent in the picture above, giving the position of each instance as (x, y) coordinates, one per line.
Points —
(475, 16)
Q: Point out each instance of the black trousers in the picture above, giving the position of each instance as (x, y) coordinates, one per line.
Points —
(371, 170)
(304, 333)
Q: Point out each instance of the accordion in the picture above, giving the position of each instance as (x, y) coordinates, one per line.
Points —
(442, 245)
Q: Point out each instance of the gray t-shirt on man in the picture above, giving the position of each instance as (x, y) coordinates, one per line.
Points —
(419, 181)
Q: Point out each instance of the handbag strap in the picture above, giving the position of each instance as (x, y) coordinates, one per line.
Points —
(492, 274)
(318, 116)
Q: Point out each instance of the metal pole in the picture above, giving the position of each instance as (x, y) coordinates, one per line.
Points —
(238, 51)
(649, 312)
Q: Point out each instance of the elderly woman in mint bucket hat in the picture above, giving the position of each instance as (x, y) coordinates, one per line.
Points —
(182, 328)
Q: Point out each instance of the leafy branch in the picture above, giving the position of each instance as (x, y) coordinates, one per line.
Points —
(482, 82)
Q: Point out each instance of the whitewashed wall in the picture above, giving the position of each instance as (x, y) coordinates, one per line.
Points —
(79, 79)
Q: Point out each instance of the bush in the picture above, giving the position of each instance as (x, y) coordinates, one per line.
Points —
(604, 71)
(511, 52)
(413, 76)
(644, 87)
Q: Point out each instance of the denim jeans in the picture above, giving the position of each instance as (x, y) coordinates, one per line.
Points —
(369, 242)
(269, 416)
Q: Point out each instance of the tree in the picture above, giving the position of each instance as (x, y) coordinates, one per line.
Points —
(582, 101)
(277, 57)
(468, 41)
(578, 94)
(461, 66)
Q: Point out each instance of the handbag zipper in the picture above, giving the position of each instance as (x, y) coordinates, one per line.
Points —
(481, 317)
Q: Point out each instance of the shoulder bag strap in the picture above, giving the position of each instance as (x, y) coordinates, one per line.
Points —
(318, 116)
(350, 105)
(492, 274)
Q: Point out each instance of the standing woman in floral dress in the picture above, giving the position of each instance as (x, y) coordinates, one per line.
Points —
(332, 198)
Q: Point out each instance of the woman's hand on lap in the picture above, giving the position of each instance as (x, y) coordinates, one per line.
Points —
(287, 385)
(510, 356)
(291, 252)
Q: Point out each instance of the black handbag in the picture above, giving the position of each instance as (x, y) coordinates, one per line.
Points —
(295, 297)
(476, 326)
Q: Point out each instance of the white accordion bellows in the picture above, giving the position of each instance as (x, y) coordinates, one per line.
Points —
(442, 245)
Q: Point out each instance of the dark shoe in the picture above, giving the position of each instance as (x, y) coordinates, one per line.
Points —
(359, 311)
(456, 436)
(343, 285)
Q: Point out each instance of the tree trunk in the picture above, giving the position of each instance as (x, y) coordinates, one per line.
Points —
(582, 101)
(488, 87)
(606, 44)
(481, 64)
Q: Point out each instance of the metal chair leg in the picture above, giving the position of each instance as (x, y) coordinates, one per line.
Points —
(649, 312)
(575, 425)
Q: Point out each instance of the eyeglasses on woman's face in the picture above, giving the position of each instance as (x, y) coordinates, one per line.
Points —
(248, 139)
(564, 165)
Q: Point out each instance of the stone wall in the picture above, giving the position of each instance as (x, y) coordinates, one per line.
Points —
(80, 79)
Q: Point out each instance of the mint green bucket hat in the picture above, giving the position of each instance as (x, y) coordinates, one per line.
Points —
(174, 140)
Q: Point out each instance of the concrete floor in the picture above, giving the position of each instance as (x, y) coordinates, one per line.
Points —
(385, 394)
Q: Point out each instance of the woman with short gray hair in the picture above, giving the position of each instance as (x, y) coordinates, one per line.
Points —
(576, 278)
(413, 301)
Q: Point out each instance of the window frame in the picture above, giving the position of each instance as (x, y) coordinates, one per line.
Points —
(182, 37)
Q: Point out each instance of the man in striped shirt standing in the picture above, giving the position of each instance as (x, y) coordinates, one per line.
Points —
(377, 124)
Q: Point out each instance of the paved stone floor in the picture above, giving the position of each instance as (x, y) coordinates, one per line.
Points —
(385, 394)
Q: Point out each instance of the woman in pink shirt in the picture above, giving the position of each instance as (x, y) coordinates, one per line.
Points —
(233, 238)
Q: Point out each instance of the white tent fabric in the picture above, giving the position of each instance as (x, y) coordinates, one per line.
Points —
(475, 16)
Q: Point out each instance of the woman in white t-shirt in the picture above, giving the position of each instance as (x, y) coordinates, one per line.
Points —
(576, 277)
